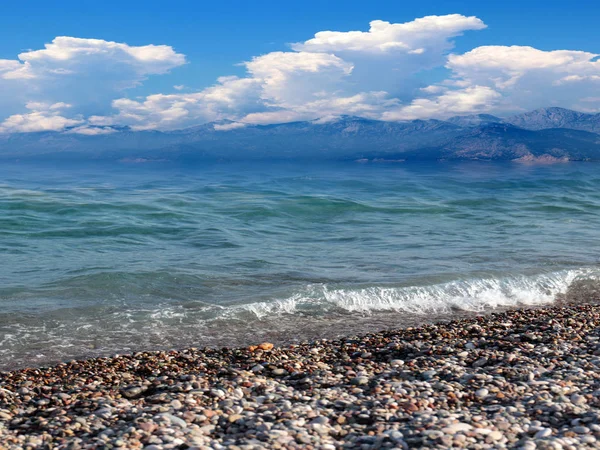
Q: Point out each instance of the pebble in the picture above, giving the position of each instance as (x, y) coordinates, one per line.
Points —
(543, 433)
(174, 420)
(104, 413)
(360, 380)
(523, 379)
(321, 420)
(482, 393)
(494, 436)
(457, 427)
(480, 362)
(132, 392)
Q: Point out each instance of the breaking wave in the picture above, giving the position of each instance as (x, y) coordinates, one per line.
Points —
(464, 295)
(317, 310)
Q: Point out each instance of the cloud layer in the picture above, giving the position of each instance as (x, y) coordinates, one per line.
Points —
(80, 85)
(84, 73)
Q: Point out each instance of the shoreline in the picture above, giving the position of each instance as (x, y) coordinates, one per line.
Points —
(521, 378)
(282, 331)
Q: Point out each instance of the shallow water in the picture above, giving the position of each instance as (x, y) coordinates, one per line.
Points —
(105, 258)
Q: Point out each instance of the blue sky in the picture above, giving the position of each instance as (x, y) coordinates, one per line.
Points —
(214, 39)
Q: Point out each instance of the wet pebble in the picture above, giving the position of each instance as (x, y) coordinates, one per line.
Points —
(519, 379)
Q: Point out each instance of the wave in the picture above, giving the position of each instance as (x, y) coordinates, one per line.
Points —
(313, 312)
(162, 294)
(465, 295)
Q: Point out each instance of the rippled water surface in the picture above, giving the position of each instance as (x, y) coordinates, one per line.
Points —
(107, 258)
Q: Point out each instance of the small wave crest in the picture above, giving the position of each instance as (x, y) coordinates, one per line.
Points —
(465, 295)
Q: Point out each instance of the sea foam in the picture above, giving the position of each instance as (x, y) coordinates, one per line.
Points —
(464, 295)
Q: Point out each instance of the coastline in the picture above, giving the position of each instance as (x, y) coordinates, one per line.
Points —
(521, 378)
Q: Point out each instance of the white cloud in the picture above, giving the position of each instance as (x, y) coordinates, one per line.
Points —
(335, 73)
(516, 61)
(501, 80)
(577, 79)
(280, 116)
(67, 55)
(364, 104)
(281, 81)
(43, 117)
(288, 79)
(230, 98)
(527, 77)
(80, 84)
(415, 37)
(475, 99)
(228, 126)
(86, 73)
(12, 69)
(391, 57)
(37, 121)
(91, 131)
(41, 106)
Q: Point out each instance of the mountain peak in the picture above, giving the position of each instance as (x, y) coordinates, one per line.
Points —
(556, 117)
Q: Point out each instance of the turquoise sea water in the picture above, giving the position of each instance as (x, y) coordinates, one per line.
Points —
(107, 258)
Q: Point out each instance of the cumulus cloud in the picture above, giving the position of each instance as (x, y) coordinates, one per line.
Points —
(470, 100)
(86, 73)
(228, 126)
(509, 64)
(68, 53)
(416, 37)
(288, 79)
(231, 97)
(13, 70)
(390, 56)
(364, 104)
(354, 72)
(80, 85)
(527, 77)
(91, 131)
(508, 79)
(43, 117)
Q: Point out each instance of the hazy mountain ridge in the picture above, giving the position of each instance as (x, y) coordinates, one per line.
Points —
(554, 117)
(548, 133)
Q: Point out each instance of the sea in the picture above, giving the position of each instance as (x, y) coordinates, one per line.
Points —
(103, 258)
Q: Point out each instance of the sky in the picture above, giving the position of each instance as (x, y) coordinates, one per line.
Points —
(91, 67)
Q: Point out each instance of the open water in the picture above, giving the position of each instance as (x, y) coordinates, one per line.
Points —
(106, 258)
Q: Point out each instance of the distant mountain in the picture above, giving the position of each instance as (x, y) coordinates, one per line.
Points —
(507, 142)
(314, 139)
(544, 118)
(474, 120)
(545, 134)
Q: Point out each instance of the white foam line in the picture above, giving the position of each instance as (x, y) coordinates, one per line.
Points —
(466, 295)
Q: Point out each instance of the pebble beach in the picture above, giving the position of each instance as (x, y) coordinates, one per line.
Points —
(524, 379)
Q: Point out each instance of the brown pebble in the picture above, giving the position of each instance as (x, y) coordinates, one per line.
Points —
(265, 346)
(209, 413)
(148, 427)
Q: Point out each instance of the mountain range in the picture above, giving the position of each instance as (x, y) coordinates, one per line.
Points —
(546, 134)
